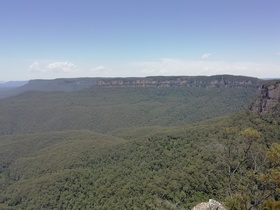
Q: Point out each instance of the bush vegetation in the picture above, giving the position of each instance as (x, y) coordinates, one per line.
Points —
(148, 153)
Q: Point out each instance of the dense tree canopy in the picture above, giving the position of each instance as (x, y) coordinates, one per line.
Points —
(143, 149)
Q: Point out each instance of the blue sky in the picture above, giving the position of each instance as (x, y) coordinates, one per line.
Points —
(121, 38)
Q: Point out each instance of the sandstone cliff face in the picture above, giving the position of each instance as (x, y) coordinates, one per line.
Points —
(268, 100)
(182, 81)
(75, 84)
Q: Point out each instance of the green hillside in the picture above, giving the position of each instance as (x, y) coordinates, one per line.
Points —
(107, 109)
(139, 148)
(82, 170)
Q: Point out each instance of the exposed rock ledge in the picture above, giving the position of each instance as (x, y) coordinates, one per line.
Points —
(210, 205)
(268, 99)
(226, 81)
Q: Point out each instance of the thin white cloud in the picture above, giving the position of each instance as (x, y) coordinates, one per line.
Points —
(163, 67)
(168, 67)
(55, 67)
(61, 67)
(206, 55)
(35, 67)
(98, 69)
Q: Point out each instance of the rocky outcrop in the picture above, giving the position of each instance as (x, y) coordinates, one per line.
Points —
(268, 100)
(210, 205)
(180, 81)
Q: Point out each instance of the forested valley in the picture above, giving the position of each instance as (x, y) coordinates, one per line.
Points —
(152, 143)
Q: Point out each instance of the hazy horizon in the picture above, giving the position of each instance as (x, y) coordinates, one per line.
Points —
(69, 39)
(19, 81)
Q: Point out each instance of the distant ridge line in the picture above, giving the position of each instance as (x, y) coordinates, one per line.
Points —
(150, 81)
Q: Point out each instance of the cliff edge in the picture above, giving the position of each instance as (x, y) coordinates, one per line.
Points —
(268, 100)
